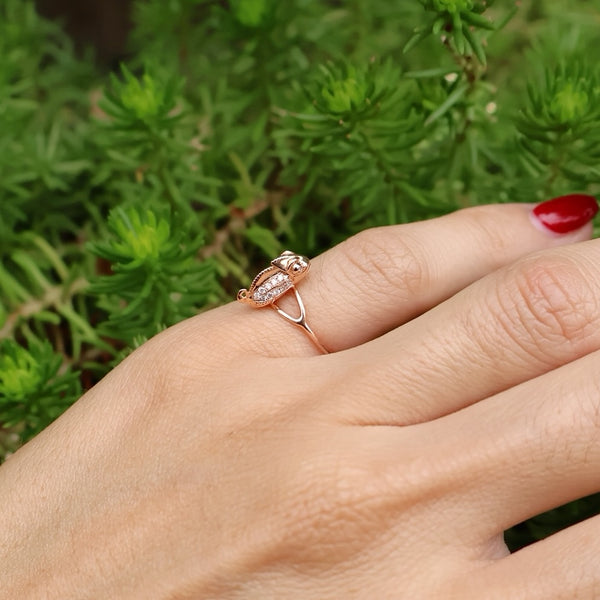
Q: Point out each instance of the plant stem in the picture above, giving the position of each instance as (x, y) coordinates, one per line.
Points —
(51, 298)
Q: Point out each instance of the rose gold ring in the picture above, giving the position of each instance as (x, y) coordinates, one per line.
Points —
(271, 284)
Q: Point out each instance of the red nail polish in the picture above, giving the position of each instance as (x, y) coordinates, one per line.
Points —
(567, 213)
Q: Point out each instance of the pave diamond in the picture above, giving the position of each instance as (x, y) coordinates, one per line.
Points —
(272, 288)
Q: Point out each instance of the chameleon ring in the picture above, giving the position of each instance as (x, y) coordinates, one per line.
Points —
(276, 280)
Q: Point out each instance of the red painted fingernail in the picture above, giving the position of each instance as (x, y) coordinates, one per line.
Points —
(567, 213)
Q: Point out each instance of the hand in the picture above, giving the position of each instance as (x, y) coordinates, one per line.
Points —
(226, 459)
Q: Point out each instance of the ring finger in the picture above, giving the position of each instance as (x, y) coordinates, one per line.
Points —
(381, 278)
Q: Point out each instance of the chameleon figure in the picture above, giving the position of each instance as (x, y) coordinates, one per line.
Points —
(274, 281)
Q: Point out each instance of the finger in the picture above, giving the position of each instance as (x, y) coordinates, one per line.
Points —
(518, 323)
(384, 277)
(526, 450)
(561, 567)
(521, 452)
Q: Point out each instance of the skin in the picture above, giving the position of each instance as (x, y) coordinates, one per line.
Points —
(226, 459)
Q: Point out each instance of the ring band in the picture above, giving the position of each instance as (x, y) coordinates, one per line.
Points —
(273, 282)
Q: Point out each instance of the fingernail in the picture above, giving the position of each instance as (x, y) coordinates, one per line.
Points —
(566, 213)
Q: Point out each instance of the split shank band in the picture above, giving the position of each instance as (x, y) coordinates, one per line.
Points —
(276, 280)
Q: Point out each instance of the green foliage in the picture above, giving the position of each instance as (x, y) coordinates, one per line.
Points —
(133, 199)
(456, 21)
(33, 388)
(143, 128)
(345, 92)
(560, 126)
(356, 138)
(156, 281)
(141, 104)
(252, 13)
(41, 149)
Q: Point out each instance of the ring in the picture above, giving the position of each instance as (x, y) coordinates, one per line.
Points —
(273, 282)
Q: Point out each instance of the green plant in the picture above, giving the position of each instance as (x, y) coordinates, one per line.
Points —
(131, 200)
(32, 391)
(560, 127)
(156, 280)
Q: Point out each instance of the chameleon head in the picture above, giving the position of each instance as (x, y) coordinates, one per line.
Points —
(295, 265)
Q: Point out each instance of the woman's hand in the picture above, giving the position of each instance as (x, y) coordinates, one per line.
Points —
(226, 459)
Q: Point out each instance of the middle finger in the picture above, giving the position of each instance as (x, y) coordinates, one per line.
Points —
(513, 325)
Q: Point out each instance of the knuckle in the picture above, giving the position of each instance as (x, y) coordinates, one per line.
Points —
(330, 506)
(361, 489)
(349, 491)
(386, 261)
(177, 356)
(328, 486)
(552, 301)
